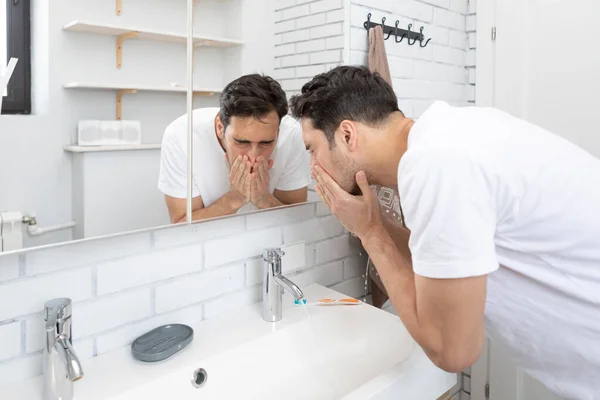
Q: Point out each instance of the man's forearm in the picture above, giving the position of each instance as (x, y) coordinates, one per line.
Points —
(395, 270)
(268, 201)
(228, 204)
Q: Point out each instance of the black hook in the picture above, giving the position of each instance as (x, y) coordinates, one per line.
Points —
(423, 37)
(383, 29)
(414, 41)
(367, 24)
(396, 33)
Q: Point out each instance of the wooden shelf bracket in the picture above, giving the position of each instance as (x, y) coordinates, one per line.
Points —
(120, 39)
(120, 94)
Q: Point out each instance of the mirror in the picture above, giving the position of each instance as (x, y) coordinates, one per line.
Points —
(108, 80)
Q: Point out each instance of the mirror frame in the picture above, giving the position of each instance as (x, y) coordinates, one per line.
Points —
(190, 107)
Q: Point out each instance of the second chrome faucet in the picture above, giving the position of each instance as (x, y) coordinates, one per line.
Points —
(61, 365)
(274, 284)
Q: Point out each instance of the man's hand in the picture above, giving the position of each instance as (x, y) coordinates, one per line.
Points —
(259, 186)
(240, 179)
(359, 214)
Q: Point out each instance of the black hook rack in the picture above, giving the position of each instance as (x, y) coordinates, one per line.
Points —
(412, 36)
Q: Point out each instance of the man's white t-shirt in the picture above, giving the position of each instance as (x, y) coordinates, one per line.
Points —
(290, 171)
(486, 193)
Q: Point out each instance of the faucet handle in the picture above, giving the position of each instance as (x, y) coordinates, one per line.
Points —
(273, 254)
(56, 310)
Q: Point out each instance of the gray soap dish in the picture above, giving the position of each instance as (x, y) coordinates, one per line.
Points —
(162, 342)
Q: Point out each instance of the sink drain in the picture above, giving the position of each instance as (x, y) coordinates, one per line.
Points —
(199, 378)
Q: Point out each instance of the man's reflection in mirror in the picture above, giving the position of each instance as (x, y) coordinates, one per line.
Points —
(248, 154)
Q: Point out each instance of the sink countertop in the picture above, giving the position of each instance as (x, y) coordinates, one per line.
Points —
(410, 375)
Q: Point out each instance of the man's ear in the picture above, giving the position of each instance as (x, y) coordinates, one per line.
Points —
(347, 134)
(220, 127)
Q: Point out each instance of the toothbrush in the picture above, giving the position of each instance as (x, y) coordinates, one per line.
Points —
(329, 302)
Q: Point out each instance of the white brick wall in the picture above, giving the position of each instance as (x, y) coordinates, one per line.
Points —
(10, 337)
(354, 267)
(154, 266)
(328, 274)
(125, 286)
(28, 295)
(322, 228)
(9, 267)
(246, 245)
(194, 289)
(421, 75)
(324, 57)
(337, 248)
(310, 37)
(99, 315)
(66, 257)
(310, 21)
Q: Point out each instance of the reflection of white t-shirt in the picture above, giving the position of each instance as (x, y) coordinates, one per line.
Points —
(486, 193)
(291, 162)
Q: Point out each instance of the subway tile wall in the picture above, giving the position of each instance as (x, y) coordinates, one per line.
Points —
(309, 40)
(125, 286)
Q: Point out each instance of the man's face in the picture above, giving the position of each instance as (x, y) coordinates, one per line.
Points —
(247, 136)
(336, 160)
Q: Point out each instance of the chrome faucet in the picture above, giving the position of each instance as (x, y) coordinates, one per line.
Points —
(273, 285)
(61, 365)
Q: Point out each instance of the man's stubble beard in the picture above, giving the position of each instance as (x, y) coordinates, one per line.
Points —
(350, 174)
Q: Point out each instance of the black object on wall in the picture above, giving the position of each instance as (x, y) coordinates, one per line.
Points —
(399, 34)
(18, 30)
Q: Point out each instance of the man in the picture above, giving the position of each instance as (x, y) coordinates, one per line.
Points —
(248, 154)
(503, 218)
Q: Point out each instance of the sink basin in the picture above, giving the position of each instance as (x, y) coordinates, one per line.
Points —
(327, 352)
(325, 356)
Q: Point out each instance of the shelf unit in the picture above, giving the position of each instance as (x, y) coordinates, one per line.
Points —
(122, 33)
(122, 89)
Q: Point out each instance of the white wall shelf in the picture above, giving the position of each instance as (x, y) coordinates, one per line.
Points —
(176, 88)
(121, 33)
(96, 149)
(122, 89)
(120, 6)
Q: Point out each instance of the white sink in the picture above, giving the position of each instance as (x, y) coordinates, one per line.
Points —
(350, 352)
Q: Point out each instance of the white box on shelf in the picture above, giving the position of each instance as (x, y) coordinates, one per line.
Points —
(109, 133)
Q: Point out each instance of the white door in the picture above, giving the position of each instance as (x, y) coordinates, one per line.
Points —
(543, 66)
(508, 382)
(547, 66)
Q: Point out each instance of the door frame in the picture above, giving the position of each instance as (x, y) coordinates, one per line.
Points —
(484, 97)
(485, 53)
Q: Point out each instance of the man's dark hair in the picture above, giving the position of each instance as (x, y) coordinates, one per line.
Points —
(344, 93)
(252, 96)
